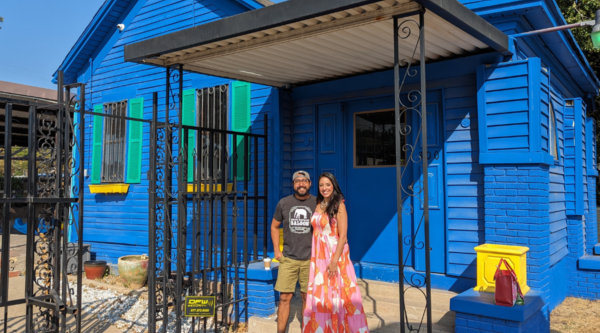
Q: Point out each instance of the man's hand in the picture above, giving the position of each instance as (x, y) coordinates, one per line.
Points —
(278, 254)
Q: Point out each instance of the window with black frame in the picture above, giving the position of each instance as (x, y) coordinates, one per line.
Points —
(213, 107)
(375, 139)
(114, 143)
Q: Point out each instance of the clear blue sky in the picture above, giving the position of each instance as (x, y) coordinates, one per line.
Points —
(37, 35)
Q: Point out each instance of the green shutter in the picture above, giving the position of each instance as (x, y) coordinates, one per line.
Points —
(97, 146)
(135, 141)
(240, 122)
(189, 118)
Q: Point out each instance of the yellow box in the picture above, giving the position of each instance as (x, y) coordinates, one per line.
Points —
(206, 187)
(488, 258)
(109, 188)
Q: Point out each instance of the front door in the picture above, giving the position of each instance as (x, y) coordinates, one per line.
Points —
(330, 143)
(371, 181)
(435, 162)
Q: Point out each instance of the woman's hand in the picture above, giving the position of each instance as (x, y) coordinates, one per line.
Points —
(332, 268)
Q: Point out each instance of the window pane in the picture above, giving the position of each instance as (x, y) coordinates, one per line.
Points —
(374, 138)
(113, 150)
(552, 133)
(213, 112)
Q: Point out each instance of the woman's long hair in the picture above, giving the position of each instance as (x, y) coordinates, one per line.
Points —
(336, 196)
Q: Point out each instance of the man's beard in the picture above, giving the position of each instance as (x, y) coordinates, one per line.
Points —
(297, 191)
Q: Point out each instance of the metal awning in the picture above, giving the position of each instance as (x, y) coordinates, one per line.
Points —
(304, 41)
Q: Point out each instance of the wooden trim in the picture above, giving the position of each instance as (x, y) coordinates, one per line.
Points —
(109, 188)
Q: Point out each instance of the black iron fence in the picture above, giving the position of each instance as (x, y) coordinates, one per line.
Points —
(215, 214)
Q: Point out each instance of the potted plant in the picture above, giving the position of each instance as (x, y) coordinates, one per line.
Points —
(134, 269)
(94, 269)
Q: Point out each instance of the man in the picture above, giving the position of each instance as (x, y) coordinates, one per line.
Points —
(294, 212)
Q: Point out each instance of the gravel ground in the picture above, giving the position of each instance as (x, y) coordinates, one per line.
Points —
(127, 313)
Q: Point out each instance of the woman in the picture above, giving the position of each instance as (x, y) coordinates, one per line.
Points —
(333, 301)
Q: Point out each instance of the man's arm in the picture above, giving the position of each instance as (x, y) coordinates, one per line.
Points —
(275, 238)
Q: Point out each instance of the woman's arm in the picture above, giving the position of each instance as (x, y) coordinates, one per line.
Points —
(342, 225)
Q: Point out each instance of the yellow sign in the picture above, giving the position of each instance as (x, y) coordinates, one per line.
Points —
(200, 306)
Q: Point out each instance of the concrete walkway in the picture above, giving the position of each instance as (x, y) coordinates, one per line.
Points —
(16, 314)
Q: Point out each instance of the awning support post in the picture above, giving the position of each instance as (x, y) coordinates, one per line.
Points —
(402, 31)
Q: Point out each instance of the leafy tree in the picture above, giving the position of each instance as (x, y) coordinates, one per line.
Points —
(584, 10)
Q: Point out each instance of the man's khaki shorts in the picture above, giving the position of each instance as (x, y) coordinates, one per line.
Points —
(290, 272)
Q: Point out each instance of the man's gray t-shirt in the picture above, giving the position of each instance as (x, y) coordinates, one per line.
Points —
(295, 215)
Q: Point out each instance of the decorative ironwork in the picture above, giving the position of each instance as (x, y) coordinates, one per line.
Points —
(408, 105)
(54, 202)
(218, 199)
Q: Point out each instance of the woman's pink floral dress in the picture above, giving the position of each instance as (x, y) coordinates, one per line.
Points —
(333, 304)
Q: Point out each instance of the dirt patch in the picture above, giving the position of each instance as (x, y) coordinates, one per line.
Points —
(575, 315)
(112, 280)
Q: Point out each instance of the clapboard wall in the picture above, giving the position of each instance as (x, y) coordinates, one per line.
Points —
(117, 225)
(557, 208)
(575, 164)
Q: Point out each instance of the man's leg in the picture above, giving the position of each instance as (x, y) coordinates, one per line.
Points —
(303, 302)
(283, 312)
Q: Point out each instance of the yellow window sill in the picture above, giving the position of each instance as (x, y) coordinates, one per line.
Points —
(109, 188)
(206, 187)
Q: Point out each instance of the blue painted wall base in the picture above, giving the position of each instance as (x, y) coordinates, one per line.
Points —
(262, 297)
(477, 312)
(388, 273)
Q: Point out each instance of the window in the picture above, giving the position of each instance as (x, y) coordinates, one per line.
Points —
(117, 143)
(213, 105)
(553, 142)
(114, 144)
(375, 139)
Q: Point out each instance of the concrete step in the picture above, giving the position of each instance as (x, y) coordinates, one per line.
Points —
(383, 291)
(389, 307)
(376, 323)
(382, 307)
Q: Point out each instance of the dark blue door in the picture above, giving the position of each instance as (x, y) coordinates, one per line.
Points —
(435, 160)
(330, 143)
(371, 182)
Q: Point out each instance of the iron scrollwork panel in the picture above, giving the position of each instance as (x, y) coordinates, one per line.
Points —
(411, 190)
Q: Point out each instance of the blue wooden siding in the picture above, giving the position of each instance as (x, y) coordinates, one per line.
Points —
(285, 114)
(464, 182)
(557, 207)
(591, 152)
(544, 108)
(575, 156)
(513, 123)
(117, 225)
(504, 98)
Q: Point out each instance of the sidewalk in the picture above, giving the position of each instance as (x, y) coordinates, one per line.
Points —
(16, 314)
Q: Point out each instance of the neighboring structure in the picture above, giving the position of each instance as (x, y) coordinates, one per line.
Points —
(514, 155)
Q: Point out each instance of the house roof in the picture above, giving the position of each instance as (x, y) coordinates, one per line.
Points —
(102, 25)
(540, 14)
(304, 41)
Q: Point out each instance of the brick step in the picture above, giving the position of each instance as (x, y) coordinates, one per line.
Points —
(376, 323)
(590, 263)
(597, 249)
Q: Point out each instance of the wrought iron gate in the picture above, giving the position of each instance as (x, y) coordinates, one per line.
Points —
(226, 203)
(54, 205)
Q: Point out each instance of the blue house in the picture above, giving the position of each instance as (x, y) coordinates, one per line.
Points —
(511, 150)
